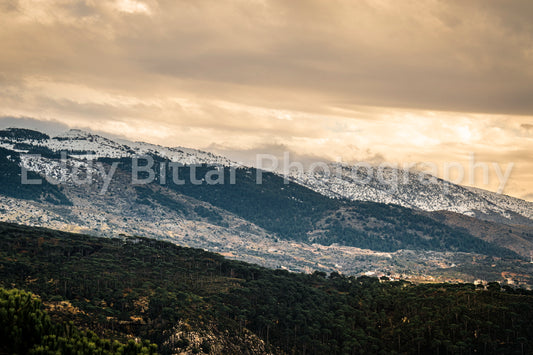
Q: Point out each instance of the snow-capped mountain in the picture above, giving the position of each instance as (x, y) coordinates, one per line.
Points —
(384, 185)
(83, 144)
(414, 190)
(275, 224)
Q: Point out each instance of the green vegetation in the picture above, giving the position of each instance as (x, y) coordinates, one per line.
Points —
(146, 196)
(137, 287)
(23, 134)
(10, 176)
(26, 329)
(290, 211)
(293, 212)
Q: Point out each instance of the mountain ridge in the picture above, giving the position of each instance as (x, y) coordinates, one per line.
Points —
(416, 190)
(274, 224)
(424, 192)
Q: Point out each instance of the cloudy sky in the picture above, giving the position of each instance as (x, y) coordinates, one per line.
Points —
(377, 80)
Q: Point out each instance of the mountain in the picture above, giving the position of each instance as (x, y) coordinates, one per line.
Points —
(134, 291)
(388, 185)
(272, 224)
(81, 144)
(415, 190)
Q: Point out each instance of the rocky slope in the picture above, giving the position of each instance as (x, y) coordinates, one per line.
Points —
(275, 225)
(385, 185)
(415, 190)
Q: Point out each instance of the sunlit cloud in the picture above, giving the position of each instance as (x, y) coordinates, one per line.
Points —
(355, 80)
(132, 6)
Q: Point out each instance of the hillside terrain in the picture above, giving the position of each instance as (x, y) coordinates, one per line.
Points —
(273, 224)
(191, 301)
(385, 185)
(26, 328)
(413, 189)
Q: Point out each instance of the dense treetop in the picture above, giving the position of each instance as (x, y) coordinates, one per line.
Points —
(140, 288)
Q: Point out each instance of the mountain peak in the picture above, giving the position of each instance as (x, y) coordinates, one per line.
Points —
(74, 133)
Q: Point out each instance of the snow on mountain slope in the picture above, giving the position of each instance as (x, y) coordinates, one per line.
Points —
(179, 154)
(415, 190)
(61, 172)
(522, 207)
(82, 144)
(384, 185)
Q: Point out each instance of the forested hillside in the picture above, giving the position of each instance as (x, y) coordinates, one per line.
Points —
(246, 220)
(26, 328)
(295, 212)
(189, 299)
(10, 177)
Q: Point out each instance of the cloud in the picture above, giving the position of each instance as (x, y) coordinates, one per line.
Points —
(132, 6)
(528, 127)
(9, 5)
(50, 127)
(360, 80)
(528, 197)
(409, 54)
